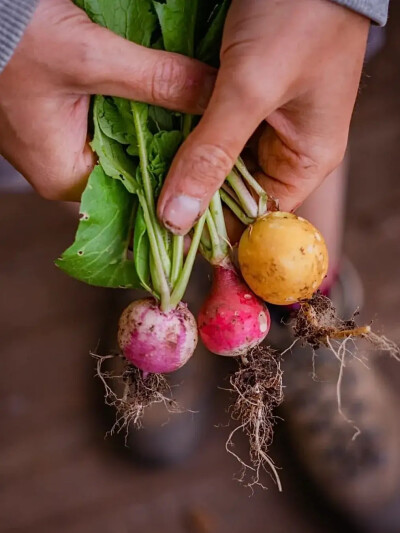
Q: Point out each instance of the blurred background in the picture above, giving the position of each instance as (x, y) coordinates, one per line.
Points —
(57, 471)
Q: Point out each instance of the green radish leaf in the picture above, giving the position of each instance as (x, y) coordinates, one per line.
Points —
(115, 119)
(162, 150)
(164, 145)
(204, 16)
(141, 250)
(133, 19)
(209, 47)
(112, 156)
(177, 20)
(99, 256)
(141, 113)
(161, 119)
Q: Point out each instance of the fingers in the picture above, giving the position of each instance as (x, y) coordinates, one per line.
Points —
(295, 165)
(206, 158)
(57, 159)
(112, 65)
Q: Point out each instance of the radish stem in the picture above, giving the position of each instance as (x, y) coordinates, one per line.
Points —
(183, 280)
(187, 125)
(253, 183)
(177, 258)
(229, 191)
(247, 202)
(218, 216)
(148, 190)
(235, 208)
(217, 254)
(158, 266)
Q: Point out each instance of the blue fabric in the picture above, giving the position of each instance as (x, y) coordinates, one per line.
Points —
(14, 17)
(376, 10)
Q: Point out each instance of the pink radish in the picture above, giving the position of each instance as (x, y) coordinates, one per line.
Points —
(232, 320)
(156, 341)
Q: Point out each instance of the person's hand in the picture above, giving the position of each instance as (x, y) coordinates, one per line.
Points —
(295, 65)
(44, 93)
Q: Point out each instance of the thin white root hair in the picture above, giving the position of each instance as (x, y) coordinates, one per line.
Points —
(340, 354)
(257, 387)
(130, 392)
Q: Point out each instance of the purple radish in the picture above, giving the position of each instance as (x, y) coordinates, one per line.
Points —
(155, 341)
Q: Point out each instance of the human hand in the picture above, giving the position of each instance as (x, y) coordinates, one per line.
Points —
(44, 93)
(295, 65)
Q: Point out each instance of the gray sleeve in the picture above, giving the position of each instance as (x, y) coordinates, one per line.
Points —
(14, 17)
(376, 10)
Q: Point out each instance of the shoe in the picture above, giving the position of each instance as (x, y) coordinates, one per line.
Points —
(351, 454)
(169, 438)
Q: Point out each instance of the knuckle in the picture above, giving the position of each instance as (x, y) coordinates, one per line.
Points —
(245, 88)
(82, 67)
(168, 81)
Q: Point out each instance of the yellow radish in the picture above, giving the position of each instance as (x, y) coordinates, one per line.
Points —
(283, 258)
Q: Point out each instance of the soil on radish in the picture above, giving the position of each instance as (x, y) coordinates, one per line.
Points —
(317, 323)
(316, 320)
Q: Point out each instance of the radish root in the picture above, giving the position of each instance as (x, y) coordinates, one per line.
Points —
(257, 385)
(130, 391)
(317, 324)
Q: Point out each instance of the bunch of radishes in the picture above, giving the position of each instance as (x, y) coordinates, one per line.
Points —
(120, 243)
(283, 259)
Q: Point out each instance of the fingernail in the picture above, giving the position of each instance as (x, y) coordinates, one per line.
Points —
(181, 212)
(208, 87)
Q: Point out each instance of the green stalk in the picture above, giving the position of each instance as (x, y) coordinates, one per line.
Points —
(253, 183)
(177, 240)
(155, 278)
(194, 4)
(177, 257)
(228, 189)
(158, 269)
(218, 216)
(183, 280)
(187, 125)
(247, 202)
(219, 248)
(148, 191)
(205, 238)
(235, 208)
(187, 122)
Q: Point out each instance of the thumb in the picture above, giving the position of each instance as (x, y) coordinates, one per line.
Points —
(118, 67)
(209, 153)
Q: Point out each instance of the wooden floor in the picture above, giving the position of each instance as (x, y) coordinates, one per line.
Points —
(57, 473)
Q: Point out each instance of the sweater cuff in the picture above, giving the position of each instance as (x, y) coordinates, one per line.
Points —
(376, 10)
(14, 18)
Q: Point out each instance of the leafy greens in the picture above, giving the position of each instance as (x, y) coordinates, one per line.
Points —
(135, 144)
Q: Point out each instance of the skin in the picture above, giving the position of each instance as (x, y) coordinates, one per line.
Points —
(293, 67)
(45, 90)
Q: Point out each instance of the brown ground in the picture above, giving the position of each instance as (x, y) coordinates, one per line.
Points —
(57, 474)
